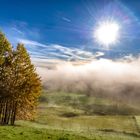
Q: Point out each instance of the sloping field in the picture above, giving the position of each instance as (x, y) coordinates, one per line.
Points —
(67, 117)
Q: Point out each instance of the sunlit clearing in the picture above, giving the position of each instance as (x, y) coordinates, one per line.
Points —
(107, 33)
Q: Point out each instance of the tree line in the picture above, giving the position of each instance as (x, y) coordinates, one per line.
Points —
(20, 85)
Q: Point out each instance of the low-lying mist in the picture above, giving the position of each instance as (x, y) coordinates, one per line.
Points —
(116, 79)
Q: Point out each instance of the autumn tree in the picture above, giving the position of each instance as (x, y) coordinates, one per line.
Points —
(27, 83)
(19, 83)
(5, 54)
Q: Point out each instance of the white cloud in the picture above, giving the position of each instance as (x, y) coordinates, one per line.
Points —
(30, 42)
(59, 51)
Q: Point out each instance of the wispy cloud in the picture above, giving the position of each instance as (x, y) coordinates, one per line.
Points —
(66, 19)
(17, 30)
(30, 42)
(55, 51)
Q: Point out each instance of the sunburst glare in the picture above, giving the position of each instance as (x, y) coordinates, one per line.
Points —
(107, 33)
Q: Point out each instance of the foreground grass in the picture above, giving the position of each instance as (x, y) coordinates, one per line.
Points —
(33, 133)
(30, 133)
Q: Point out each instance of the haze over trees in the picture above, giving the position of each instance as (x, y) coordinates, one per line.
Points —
(19, 83)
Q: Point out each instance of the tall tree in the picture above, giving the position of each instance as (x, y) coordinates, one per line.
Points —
(5, 55)
(27, 83)
(19, 83)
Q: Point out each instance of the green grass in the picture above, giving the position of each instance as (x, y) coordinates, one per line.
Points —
(63, 116)
(30, 133)
(52, 116)
(90, 105)
(33, 133)
(138, 120)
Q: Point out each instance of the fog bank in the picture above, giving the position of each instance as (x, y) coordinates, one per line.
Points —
(118, 79)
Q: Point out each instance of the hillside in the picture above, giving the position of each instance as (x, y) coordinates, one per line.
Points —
(71, 116)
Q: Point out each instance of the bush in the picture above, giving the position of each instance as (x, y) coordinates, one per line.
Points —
(69, 114)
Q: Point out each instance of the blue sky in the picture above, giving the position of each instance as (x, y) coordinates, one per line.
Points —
(63, 29)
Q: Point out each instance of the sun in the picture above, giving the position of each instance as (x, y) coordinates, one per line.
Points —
(107, 33)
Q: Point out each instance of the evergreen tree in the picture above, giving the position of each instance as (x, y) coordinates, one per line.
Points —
(5, 66)
(19, 83)
(27, 83)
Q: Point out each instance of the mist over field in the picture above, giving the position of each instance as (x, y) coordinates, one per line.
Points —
(118, 79)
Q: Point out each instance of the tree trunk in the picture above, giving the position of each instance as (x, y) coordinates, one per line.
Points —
(0, 110)
(14, 110)
(6, 112)
(3, 112)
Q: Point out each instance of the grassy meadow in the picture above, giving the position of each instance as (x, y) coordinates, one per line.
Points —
(71, 116)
